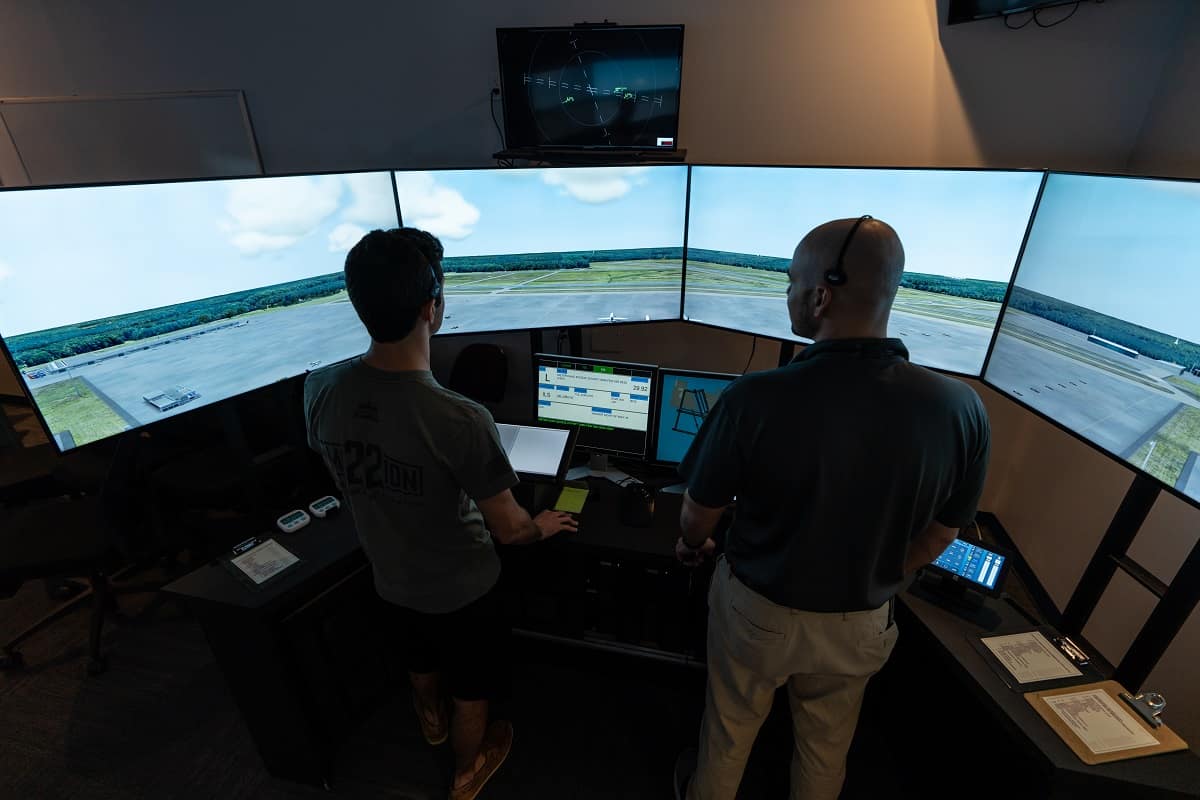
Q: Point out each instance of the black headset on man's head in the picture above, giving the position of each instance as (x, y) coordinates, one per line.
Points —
(837, 275)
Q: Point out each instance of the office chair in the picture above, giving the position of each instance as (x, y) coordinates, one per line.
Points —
(78, 533)
(480, 372)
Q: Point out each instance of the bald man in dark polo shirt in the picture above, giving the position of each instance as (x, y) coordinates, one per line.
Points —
(852, 468)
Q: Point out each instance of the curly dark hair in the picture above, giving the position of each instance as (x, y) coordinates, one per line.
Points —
(389, 276)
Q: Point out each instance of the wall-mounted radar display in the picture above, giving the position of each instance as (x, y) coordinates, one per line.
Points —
(603, 86)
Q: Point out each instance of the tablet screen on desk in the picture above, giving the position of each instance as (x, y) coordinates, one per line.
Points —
(534, 451)
(982, 567)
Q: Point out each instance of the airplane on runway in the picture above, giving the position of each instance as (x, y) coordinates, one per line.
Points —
(611, 318)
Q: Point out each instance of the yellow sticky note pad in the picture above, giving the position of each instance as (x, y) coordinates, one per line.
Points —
(571, 499)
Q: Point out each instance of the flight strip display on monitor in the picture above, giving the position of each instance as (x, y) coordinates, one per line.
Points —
(610, 402)
(961, 231)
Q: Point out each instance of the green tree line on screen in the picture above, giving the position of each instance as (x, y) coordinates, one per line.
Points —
(40, 347)
(1147, 342)
(968, 288)
(574, 259)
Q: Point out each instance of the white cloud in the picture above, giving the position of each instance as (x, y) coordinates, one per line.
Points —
(438, 209)
(595, 184)
(275, 213)
(371, 202)
(5, 271)
(345, 236)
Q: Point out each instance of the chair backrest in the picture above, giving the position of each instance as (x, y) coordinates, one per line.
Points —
(480, 372)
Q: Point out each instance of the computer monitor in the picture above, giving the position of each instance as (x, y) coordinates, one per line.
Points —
(974, 565)
(610, 402)
(591, 86)
(961, 231)
(1101, 334)
(124, 305)
(685, 400)
(546, 248)
(537, 452)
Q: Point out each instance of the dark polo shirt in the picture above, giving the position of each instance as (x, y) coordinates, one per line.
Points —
(837, 461)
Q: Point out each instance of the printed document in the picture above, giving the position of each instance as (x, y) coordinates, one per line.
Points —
(1031, 657)
(1098, 719)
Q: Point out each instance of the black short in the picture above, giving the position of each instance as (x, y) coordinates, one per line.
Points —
(468, 647)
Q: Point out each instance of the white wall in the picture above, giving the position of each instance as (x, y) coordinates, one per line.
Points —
(375, 84)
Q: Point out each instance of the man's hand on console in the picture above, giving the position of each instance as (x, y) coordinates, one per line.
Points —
(552, 522)
(694, 556)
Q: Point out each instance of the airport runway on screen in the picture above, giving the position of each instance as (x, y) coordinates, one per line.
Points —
(1112, 399)
(223, 360)
(931, 340)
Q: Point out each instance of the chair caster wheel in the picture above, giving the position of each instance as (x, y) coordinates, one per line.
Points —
(97, 666)
(13, 660)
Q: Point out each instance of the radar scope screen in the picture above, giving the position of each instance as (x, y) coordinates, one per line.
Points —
(591, 87)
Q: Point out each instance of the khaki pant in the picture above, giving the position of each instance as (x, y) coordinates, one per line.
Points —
(756, 646)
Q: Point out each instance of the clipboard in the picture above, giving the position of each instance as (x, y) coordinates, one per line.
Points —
(1088, 673)
(1166, 740)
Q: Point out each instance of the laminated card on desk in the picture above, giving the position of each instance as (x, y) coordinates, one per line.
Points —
(1098, 727)
(1030, 657)
(264, 561)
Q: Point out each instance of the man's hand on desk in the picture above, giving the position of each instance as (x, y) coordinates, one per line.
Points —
(552, 522)
(694, 556)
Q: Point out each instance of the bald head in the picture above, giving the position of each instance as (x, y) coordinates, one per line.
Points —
(873, 264)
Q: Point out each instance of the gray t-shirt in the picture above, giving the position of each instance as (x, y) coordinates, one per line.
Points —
(410, 457)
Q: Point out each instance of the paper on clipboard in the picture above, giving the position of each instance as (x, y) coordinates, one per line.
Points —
(1099, 721)
(1030, 657)
(264, 561)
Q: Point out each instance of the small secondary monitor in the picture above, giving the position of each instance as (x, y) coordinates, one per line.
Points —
(606, 86)
(536, 452)
(961, 231)
(980, 567)
(123, 305)
(543, 248)
(1101, 332)
(685, 400)
(610, 402)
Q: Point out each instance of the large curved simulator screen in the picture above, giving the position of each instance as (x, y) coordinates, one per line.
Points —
(962, 232)
(1101, 333)
(539, 248)
(122, 305)
(594, 87)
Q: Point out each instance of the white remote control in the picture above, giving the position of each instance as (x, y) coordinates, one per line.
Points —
(293, 521)
(324, 506)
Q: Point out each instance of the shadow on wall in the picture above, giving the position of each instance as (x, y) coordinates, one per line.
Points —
(1072, 96)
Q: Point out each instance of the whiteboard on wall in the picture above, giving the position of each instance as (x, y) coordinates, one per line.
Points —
(47, 141)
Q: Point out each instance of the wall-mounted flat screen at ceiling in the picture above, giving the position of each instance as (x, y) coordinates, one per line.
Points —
(538, 248)
(591, 86)
(1101, 333)
(122, 305)
(961, 230)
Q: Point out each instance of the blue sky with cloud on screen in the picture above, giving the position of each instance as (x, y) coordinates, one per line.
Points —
(72, 255)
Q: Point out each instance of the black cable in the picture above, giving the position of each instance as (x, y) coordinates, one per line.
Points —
(1041, 24)
(492, 106)
(1012, 27)
(753, 347)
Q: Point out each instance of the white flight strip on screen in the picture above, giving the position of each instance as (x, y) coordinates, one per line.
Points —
(594, 398)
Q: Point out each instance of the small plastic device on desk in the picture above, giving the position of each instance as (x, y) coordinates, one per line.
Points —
(324, 506)
(293, 521)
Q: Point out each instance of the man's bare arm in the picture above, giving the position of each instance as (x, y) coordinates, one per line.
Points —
(511, 524)
(927, 546)
(697, 521)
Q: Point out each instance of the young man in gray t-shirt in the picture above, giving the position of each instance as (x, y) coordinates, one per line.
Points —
(424, 474)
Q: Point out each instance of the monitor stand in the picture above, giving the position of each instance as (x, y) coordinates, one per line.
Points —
(957, 599)
(598, 467)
